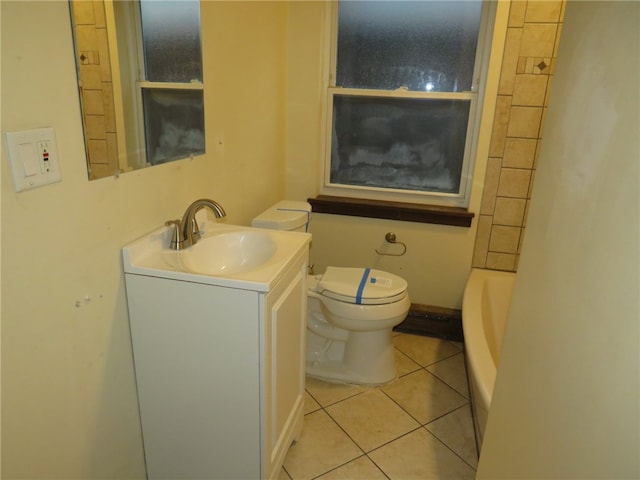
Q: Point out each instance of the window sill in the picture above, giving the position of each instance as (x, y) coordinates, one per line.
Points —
(407, 212)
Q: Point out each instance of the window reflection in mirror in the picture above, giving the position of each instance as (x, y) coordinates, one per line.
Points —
(139, 69)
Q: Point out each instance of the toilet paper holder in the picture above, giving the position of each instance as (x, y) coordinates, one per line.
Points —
(390, 237)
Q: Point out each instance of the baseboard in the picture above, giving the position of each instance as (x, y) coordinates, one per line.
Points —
(431, 321)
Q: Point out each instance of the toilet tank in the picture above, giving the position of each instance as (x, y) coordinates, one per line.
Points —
(290, 215)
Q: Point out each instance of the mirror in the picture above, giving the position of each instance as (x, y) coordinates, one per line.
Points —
(139, 67)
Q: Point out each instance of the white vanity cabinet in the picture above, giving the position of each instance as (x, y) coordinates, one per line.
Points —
(219, 370)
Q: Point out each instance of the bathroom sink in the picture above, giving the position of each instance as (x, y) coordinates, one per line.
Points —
(226, 255)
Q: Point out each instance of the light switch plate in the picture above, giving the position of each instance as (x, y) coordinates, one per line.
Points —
(34, 158)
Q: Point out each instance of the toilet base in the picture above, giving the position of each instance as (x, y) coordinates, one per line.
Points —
(365, 358)
(335, 372)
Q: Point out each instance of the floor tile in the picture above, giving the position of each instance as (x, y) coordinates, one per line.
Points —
(404, 364)
(371, 419)
(310, 405)
(359, 469)
(425, 350)
(424, 396)
(456, 431)
(420, 456)
(418, 427)
(327, 393)
(323, 446)
(452, 371)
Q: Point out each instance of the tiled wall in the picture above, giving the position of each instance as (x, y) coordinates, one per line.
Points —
(92, 50)
(527, 70)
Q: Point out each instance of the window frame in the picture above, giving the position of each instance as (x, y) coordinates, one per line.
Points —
(475, 96)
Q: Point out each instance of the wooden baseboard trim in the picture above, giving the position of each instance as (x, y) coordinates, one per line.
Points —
(432, 321)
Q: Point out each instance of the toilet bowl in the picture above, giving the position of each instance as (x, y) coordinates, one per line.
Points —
(351, 312)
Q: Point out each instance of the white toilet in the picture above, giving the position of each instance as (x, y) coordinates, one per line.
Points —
(351, 312)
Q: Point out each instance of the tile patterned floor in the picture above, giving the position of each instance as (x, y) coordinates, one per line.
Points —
(418, 427)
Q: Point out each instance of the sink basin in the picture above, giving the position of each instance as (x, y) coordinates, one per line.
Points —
(228, 253)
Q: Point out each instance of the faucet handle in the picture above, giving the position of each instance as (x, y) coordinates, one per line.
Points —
(177, 236)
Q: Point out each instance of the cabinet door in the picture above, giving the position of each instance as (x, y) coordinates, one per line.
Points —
(284, 331)
(196, 359)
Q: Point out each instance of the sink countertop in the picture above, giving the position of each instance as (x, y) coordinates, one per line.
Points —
(150, 256)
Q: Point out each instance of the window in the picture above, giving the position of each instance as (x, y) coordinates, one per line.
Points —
(402, 100)
(162, 78)
(172, 93)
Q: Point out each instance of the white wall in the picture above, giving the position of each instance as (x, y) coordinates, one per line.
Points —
(566, 401)
(438, 258)
(69, 405)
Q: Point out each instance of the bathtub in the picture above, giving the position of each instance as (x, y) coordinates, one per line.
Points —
(485, 306)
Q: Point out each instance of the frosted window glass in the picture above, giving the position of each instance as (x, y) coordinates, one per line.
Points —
(423, 45)
(174, 124)
(410, 144)
(171, 39)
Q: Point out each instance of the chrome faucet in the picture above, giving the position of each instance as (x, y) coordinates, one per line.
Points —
(186, 231)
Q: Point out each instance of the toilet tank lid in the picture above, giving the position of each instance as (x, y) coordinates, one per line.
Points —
(284, 215)
(361, 285)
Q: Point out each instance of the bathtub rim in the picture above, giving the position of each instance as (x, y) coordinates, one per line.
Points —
(483, 369)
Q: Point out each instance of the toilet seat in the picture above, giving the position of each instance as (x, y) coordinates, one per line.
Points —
(361, 286)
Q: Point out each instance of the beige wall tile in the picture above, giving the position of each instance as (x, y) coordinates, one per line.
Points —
(519, 152)
(517, 11)
(98, 11)
(504, 239)
(524, 122)
(510, 61)
(112, 150)
(509, 211)
(100, 170)
(529, 64)
(83, 13)
(86, 38)
(103, 49)
(543, 11)
(92, 102)
(95, 128)
(491, 180)
(91, 77)
(538, 39)
(109, 107)
(529, 90)
(525, 85)
(522, 65)
(514, 182)
(501, 261)
(500, 124)
(482, 241)
(98, 152)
